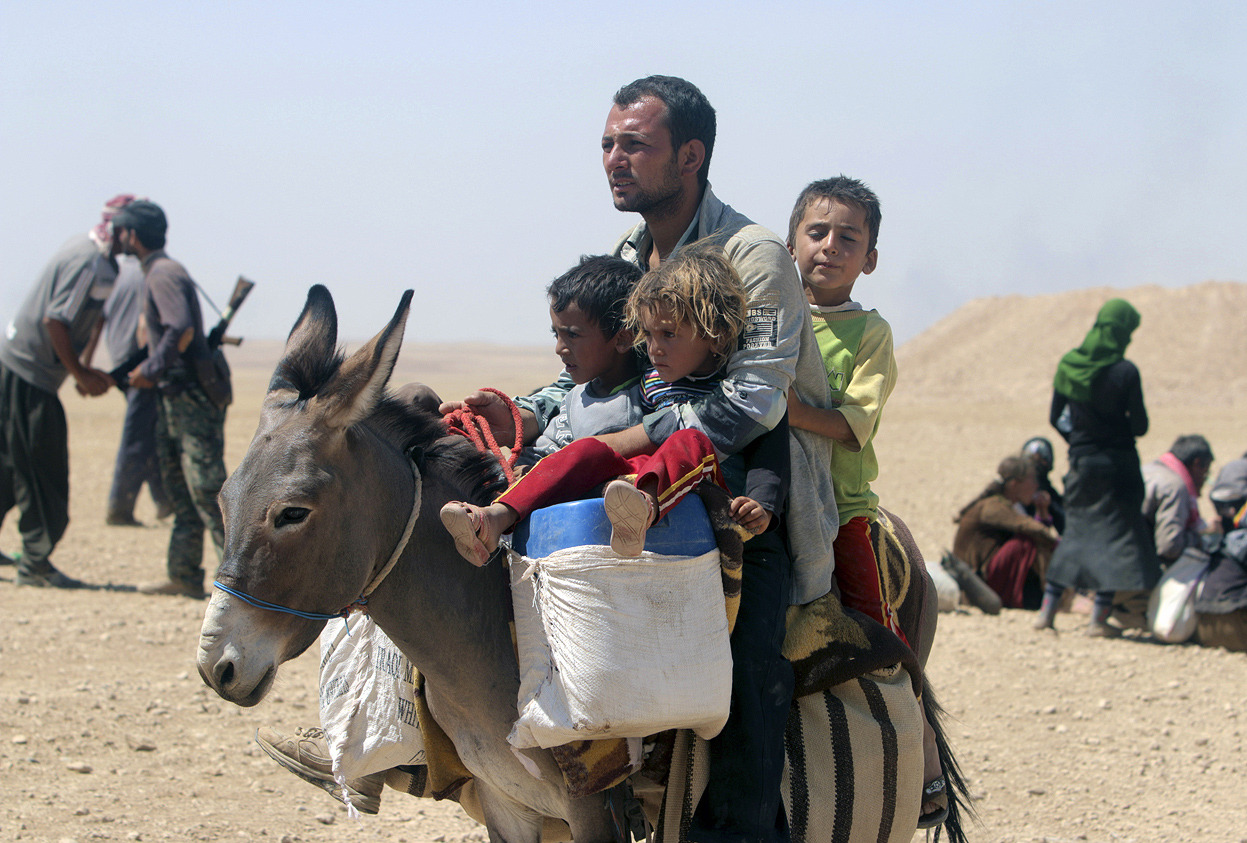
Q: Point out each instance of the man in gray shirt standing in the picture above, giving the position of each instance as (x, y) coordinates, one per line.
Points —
(39, 349)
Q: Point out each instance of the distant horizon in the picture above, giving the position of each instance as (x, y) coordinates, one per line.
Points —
(352, 343)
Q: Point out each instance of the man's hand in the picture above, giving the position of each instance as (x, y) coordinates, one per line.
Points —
(87, 381)
(92, 382)
(139, 382)
(1042, 501)
(496, 414)
(749, 514)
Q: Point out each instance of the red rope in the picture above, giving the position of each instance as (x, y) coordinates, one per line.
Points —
(466, 422)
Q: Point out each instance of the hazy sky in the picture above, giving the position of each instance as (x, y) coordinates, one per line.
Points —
(454, 147)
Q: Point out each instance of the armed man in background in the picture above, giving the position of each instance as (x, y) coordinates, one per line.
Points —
(190, 428)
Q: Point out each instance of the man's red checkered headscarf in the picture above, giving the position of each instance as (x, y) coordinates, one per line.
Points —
(103, 233)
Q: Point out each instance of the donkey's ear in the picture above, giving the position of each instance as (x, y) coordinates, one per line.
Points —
(312, 344)
(360, 383)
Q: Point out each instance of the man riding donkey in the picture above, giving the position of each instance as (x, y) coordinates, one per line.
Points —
(656, 149)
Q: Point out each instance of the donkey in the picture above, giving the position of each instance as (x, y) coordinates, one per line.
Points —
(315, 509)
(335, 505)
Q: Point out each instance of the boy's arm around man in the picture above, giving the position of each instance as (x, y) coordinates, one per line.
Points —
(867, 365)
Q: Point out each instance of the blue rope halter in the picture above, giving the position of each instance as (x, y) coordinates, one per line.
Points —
(264, 604)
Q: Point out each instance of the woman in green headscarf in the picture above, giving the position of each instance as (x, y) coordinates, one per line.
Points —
(1097, 405)
(1105, 345)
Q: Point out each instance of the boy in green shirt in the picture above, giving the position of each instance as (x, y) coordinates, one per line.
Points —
(832, 235)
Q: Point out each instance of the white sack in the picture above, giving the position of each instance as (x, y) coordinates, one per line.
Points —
(619, 647)
(946, 588)
(367, 700)
(1171, 608)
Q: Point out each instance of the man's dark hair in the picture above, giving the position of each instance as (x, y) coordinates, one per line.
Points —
(689, 114)
(150, 240)
(1190, 448)
(147, 221)
(599, 285)
(842, 189)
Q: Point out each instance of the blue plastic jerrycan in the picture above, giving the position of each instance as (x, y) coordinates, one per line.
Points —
(684, 531)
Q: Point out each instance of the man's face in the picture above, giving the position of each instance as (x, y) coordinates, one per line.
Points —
(830, 247)
(641, 166)
(123, 241)
(1199, 471)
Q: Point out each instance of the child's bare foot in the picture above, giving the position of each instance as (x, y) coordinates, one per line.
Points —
(630, 512)
(476, 529)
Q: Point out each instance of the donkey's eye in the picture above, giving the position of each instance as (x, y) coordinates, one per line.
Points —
(292, 515)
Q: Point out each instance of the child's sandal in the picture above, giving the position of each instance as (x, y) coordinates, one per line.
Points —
(464, 524)
(630, 512)
(934, 793)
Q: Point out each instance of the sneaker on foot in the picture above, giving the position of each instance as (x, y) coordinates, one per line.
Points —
(173, 588)
(7, 560)
(121, 519)
(51, 578)
(306, 754)
(630, 513)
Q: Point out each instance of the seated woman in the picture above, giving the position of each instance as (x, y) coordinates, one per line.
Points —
(1006, 547)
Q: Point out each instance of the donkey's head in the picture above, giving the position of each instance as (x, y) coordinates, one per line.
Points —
(318, 503)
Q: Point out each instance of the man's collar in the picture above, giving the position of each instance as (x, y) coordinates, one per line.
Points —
(691, 234)
(641, 242)
(151, 256)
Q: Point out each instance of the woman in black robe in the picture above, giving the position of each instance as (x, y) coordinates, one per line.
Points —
(1097, 406)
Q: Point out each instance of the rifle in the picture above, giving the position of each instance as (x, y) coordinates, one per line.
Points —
(215, 339)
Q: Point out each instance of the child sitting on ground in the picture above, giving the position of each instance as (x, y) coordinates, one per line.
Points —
(689, 314)
(832, 235)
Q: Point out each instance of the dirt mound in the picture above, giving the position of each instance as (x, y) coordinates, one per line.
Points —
(1007, 347)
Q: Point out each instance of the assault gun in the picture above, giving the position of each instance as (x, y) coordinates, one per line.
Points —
(216, 337)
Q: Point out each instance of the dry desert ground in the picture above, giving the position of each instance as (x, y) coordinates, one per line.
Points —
(107, 732)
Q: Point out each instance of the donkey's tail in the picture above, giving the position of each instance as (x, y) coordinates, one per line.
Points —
(960, 811)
